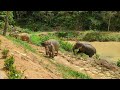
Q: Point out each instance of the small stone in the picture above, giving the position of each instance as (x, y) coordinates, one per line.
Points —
(81, 69)
(98, 67)
(94, 72)
(101, 74)
(108, 74)
(86, 69)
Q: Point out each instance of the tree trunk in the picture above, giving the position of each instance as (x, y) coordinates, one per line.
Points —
(6, 24)
(109, 23)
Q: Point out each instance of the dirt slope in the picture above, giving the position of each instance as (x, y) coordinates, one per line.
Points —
(27, 62)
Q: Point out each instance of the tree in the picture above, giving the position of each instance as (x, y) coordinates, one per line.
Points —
(6, 23)
(107, 15)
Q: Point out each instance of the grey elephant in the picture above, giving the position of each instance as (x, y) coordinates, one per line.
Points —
(55, 44)
(86, 48)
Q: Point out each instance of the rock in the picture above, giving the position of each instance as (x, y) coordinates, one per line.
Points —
(98, 67)
(111, 72)
(82, 69)
(108, 74)
(95, 72)
(86, 69)
(101, 74)
(106, 64)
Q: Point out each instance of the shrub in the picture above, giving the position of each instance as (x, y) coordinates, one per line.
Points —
(66, 46)
(14, 74)
(9, 63)
(5, 53)
(100, 36)
(62, 34)
(68, 35)
(92, 36)
(118, 63)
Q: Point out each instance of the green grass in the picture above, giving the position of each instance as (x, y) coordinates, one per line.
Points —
(66, 46)
(68, 73)
(22, 43)
(35, 39)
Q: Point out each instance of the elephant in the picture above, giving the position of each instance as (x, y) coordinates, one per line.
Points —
(86, 48)
(50, 50)
(55, 43)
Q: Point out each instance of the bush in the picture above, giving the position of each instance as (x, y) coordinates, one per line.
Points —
(118, 63)
(13, 73)
(100, 36)
(62, 34)
(5, 53)
(92, 36)
(68, 35)
(9, 63)
(66, 46)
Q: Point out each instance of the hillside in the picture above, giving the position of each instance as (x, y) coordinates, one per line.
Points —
(37, 66)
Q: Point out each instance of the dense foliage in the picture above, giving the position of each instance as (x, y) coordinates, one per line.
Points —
(63, 20)
(69, 20)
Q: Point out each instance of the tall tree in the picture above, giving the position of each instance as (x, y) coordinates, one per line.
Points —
(6, 23)
(107, 16)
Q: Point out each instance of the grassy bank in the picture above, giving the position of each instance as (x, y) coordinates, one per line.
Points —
(89, 36)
